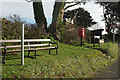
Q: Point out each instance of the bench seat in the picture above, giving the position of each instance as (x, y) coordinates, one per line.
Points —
(19, 50)
(33, 45)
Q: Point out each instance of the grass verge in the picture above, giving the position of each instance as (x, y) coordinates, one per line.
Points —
(71, 62)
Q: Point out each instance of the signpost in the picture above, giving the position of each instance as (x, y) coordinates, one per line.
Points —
(81, 33)
(113, 26)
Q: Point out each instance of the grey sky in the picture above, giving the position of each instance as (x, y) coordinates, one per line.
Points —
(25, 10)
(49, 8)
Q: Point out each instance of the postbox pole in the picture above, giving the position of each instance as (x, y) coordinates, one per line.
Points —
(22, 44)
(81, 41)
(81, 33)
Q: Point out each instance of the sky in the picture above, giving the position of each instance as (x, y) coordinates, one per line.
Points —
(25, 10)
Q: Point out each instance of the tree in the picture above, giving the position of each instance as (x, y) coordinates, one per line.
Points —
(11, 29)
(80, 17)
(56, 11)
(111, 13)
(39, 15)
(58, 8)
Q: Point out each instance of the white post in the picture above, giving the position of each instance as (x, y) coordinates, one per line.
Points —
(0, 50)
(22, 44)
(29, 44)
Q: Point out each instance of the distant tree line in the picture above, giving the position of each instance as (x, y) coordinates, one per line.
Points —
(11, 29)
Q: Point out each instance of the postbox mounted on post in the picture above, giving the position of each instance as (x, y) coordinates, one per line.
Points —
(81, 32)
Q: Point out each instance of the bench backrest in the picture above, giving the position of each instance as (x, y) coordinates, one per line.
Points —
(26, 40)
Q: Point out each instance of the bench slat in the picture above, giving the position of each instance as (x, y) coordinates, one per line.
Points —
(26, 40)
(33, 45)
(37, 40)
(1, 47)
(45, 48)
(9, 51)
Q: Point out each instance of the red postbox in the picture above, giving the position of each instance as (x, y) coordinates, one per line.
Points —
(81, 32)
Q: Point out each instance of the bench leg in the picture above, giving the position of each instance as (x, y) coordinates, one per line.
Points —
(28, 53)
(4, 61)
(35, 54)
(56, 51)
(49, 51)
(5, 53)
(99, 44)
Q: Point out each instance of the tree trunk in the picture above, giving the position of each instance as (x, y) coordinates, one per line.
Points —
(39, 15)
(56, 11)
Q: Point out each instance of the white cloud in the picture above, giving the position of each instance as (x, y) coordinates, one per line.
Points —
(48, 8)
(96, 11)
(23, 9)
(25, 0)
(12, 0)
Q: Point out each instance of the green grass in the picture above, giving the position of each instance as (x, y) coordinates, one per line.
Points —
(71, 62)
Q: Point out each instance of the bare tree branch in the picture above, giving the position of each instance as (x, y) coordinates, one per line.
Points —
(73, 17)
(72, 5)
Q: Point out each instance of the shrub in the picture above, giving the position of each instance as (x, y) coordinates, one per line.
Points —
(71, 35)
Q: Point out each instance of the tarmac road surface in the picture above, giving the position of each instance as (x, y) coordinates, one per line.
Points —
(112, 72)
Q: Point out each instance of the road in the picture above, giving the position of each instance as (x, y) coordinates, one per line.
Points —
(110, 72)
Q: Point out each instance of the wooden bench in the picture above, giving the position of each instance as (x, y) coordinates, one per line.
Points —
(31, 46)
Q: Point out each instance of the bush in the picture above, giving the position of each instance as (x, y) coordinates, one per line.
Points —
(113, 49)
(71, 35)
(11, 29)
(110, 37)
